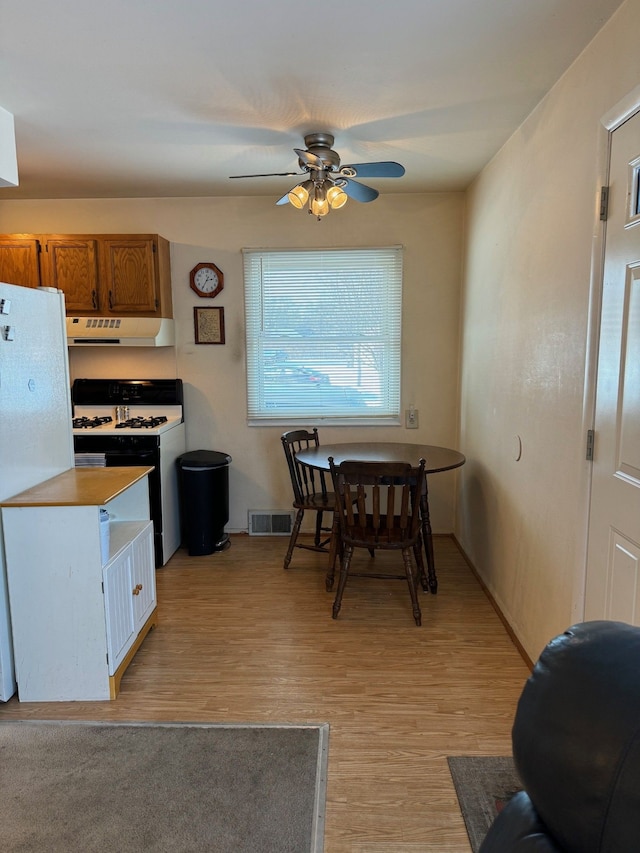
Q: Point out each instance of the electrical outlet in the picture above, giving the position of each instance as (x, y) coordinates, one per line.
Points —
(411, 418)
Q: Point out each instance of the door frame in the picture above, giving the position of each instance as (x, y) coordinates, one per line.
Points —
(624, 109)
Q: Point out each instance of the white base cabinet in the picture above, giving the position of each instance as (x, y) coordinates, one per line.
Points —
(76, 624)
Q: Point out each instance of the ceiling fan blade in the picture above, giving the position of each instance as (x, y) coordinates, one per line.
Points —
(284, 199)
(310, 159)
(360, 192)
(270, 175)
(384, 169)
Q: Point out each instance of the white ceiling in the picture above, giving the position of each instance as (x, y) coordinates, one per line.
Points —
(153, 98)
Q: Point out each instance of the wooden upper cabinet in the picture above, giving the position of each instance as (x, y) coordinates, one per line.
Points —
(130, 276)
(19, 263)
(71, 265)
(100, 274)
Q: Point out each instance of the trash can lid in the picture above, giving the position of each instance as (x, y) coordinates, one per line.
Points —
(203, 459)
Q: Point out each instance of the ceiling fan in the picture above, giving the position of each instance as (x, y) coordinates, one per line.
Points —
(329, 185)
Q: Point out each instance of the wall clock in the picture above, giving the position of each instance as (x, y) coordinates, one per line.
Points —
(206, 279)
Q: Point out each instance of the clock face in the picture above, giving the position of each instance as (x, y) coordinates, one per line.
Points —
(206, 279)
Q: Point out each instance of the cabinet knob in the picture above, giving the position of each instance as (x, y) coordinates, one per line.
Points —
(136, 590)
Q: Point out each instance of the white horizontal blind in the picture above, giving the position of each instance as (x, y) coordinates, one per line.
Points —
(323, 331)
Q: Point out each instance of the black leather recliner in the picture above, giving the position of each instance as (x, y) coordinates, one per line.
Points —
(576, 746)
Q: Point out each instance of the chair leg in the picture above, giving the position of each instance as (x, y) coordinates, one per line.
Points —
(318, 536)
(422, 575)
(335, 551)
(344, 573)
(411, 580)
(293, 538)
(428, 541)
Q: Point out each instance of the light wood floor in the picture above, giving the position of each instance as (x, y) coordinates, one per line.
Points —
(242, 640)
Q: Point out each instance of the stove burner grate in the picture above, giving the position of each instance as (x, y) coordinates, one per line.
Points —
(142, 423)
(91, 423)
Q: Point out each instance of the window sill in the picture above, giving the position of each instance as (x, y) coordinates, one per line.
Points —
(324, 421)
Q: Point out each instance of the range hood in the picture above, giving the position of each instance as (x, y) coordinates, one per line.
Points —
(120, 331)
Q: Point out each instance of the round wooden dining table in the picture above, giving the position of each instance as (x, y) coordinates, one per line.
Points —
(436, 459)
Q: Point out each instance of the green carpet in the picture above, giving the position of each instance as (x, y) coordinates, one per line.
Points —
(89, 787)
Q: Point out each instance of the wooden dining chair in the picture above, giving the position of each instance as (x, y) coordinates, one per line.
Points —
(378, 507)
(310, 492)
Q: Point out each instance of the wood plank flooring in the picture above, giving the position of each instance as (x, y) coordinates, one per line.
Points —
(242, 640)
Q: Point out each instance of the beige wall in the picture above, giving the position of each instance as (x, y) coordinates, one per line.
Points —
(428, 226)
(531, 230)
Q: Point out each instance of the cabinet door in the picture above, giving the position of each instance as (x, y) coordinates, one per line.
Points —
(71, 265)
(129, 277)
(143, 577)
(119, 609)
(19, 262)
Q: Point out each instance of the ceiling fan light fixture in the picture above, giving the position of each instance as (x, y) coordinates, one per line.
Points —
(299, 195)
(319, 206)
(330, 185)
(336, 197)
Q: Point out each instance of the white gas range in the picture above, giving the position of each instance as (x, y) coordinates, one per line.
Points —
(118, 422)
(135, 420)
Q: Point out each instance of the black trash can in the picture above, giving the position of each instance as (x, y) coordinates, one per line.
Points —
(204, 500)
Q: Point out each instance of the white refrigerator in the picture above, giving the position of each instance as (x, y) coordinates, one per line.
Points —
(36, 439)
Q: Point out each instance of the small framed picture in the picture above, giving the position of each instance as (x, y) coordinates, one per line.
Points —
(209, 325)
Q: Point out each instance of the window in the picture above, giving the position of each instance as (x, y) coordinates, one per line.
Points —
(323, 333)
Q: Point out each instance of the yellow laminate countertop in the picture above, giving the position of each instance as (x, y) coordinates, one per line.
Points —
(80, 487)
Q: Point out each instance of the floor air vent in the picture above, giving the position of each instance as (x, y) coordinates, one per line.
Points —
(270, 523)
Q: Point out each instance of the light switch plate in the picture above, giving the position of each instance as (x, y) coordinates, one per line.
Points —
(411, 418)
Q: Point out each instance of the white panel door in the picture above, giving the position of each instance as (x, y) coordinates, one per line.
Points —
(143, 569)
(118, 604)
(613, 563)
